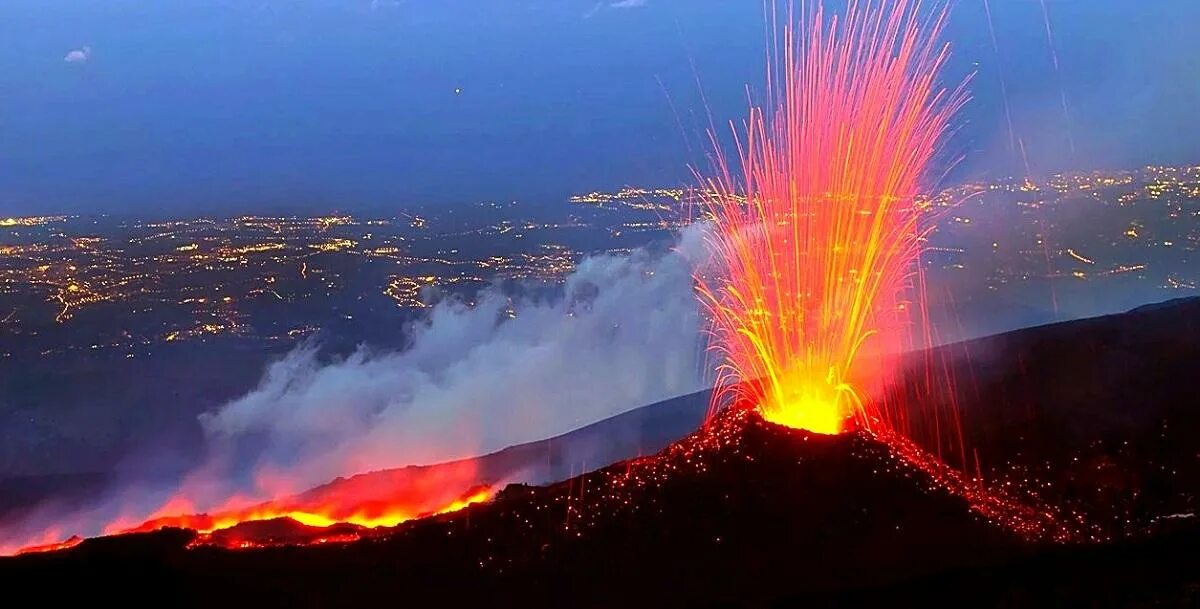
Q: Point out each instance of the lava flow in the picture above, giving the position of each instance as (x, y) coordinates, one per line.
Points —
(816, 234)
(379, 499)
(320, 515)
(73, 541)
(342, 510)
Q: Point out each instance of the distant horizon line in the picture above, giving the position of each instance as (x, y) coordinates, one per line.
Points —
(8, 219)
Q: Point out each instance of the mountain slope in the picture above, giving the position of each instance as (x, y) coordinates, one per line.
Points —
(744, 513)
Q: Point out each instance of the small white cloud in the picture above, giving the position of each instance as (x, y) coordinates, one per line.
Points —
(378, 5)
(619, 4)
(595, 9)
(79, 55)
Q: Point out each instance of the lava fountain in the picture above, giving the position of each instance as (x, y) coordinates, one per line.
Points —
(817, 229)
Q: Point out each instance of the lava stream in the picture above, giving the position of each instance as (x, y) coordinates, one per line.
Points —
(346, 507)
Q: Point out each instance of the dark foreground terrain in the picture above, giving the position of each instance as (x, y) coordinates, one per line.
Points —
(1098, 419)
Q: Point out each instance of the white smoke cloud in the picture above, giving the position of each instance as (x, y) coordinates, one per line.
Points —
(624, 333)
(80, 55)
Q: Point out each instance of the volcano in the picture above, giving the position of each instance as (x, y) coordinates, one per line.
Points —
(741, 509)
(748, 513)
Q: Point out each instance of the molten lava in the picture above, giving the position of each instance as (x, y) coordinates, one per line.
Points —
(368, 515)
(52, 547)
(816, 235)
(378, 499)
(342, 510)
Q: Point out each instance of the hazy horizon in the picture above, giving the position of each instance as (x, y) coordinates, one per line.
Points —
(203, 106)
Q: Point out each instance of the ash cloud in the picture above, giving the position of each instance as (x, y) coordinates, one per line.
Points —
(624, 332)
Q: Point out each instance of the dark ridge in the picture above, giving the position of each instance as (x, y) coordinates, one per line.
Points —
(745, 517)
(1104, 408)
(754, 515)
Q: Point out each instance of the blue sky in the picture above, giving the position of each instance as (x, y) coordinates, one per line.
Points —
(215, 106)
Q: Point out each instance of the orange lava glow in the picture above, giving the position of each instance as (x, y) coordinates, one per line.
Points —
(378, 499)
(370, 515)
(51, 547)
(817, 232)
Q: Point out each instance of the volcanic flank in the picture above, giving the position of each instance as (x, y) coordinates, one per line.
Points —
(745, 512)
(743, 509)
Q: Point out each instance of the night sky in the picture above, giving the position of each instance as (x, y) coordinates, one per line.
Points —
(215, 106)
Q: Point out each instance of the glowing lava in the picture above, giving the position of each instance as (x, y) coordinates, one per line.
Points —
(816, 235)
(347, 507)
(371, 515)
(52, 547)
(379, 499)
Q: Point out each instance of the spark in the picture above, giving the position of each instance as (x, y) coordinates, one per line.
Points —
(1012, 134)
(1062, 89)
